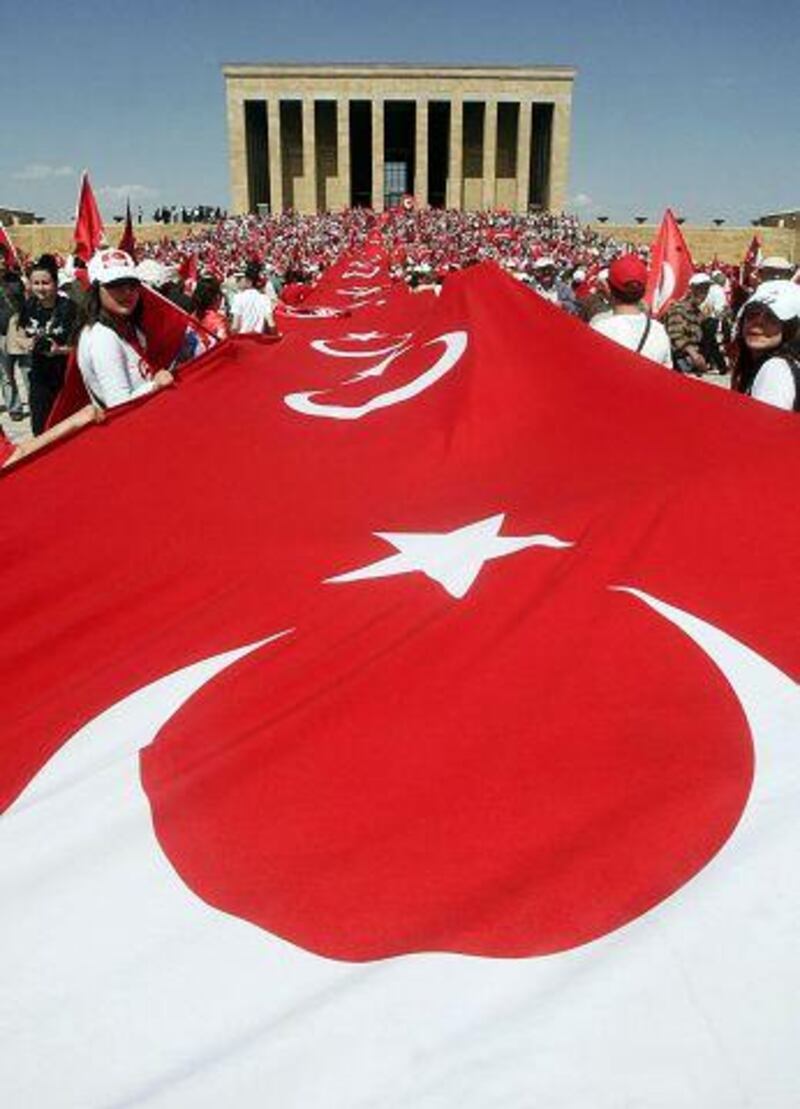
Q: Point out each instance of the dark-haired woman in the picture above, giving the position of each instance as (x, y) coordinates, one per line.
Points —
(112, 349)
(767, 358)
(47, 320)
(207, 307)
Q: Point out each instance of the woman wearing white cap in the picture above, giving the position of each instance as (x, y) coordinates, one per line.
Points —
(767, 364)
(112, 348)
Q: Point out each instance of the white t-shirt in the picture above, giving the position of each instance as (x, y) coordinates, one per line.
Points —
(716, 302)
(774, 384)
(251, 310)
(111, 369)
(627, 330)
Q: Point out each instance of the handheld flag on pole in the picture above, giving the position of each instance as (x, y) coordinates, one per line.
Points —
(89, 230)
(128, 241)
(671, 266)
(8, 248)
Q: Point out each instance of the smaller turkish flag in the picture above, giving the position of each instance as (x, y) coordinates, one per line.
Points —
(751, 261)
(188, 273)
(128, 242)
(89, 230)
(671, 267)
(165, 325)
(8, 248)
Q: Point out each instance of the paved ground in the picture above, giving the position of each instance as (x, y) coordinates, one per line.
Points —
(16, 429)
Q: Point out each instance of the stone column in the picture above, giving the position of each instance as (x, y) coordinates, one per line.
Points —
(455, 175)
(377, 155)
(559, 156)
(489, 153)
(275, 159)
(343, 153)
(421, 155)
(308, 196)
(237, 146)
(524, 156)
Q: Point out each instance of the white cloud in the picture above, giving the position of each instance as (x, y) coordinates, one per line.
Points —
(119, 193)
(40, 171)
(582, 200)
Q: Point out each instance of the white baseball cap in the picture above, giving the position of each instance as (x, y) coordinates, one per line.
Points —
(107, 266)
(544, 263)
(151, 272)
(781, 297)
(700, 279)
(775, 262)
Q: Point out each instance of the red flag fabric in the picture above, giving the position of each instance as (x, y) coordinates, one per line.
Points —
(165, 325)
(188, 272)
(671, 266)
(72, 395)
(166, 328)
(8, 248)
(6, 447)
(351, 289)
(89, 232)
(750, 262)
(400, 715)
(128, 241)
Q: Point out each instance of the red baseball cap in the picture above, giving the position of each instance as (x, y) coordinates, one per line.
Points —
(626, 271)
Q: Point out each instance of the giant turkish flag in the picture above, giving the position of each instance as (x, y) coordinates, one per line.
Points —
(381, 726)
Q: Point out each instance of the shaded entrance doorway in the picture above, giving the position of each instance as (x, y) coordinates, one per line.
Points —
(399, 131)
(360, 154)
(438, 152)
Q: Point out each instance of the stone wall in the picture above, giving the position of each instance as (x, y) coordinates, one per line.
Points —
(729, 244)
(40, 238)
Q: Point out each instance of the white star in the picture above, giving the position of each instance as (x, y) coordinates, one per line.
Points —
(364, 336)
(452, 558)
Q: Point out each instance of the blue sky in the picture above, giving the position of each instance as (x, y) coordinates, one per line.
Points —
(694, 105)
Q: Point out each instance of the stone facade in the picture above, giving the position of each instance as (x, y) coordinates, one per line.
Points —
(9, 216)
(314, 137)
(789, 218)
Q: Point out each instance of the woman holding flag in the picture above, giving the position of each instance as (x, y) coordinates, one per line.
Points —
(112, 348)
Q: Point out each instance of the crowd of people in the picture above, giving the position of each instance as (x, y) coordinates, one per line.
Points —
(198, 213)
(230, 277)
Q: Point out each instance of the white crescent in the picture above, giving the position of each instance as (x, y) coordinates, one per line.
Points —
(323, 346)
(365, 273)
(322, 312)
(455, 343)
(666, 286)
(360, 292)
(122, 988)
